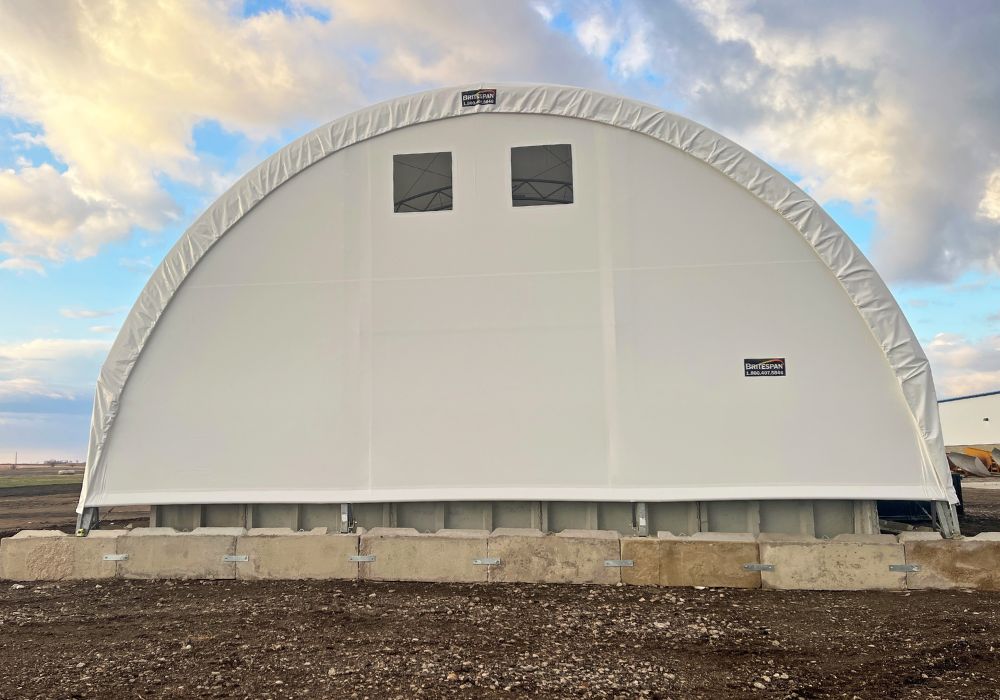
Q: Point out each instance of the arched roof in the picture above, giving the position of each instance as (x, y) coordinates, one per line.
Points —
(859, 280)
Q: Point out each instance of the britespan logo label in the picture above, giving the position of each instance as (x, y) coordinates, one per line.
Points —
(767, 367)
(483, 96)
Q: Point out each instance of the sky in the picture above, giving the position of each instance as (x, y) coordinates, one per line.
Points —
(121, 121)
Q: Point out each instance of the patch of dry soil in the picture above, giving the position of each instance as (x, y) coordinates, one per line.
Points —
(137, 639)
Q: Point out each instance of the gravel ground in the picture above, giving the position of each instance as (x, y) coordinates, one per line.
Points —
(131, 639)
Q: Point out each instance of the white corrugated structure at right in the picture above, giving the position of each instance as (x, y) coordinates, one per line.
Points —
(509, 297)
(971, 420)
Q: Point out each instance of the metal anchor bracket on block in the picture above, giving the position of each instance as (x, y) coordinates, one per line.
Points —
(486, 561)
(229, 558)
(619, 563)
(758, 567)
(115, 557)
(904, 568)
(361, 557)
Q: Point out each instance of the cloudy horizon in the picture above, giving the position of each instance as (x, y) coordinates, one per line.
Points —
(120, 123)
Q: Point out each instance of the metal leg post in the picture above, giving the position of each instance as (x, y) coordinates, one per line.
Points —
(86, 521)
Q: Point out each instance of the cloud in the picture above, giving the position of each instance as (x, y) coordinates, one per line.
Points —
(103, 329)
(890, 106)
(51, 367)
(962, 366)
(88, 313)
(28, 139)
(618, 36)
(50, 215)
(24, 387)
(635, 54)
(596, 35)
(115, 93)
(22, 265)
(544, 11)
(445, 42)
(989, 206)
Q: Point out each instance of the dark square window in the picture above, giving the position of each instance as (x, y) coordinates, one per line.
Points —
(421, 182)
(541, 175)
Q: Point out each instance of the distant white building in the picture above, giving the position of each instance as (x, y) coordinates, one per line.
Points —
(971, 420)
(523, 306)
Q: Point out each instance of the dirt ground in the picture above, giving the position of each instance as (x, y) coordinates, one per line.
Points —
(982, 512)
(124, 639)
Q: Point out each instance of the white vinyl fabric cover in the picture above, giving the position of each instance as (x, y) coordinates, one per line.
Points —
(329, 350)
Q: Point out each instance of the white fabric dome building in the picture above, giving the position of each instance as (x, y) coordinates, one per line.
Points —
(516, 305)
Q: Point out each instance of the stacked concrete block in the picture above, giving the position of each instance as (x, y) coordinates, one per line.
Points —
(282, 553)
(571, 556)
(844, 563)
(404, 554)
(162, 552)
(971, 562)
(50, 555)
(847, 562)
(644, 552)
(716, 559)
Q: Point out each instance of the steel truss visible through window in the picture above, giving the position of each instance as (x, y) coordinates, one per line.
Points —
(527, 190)
(438, 199)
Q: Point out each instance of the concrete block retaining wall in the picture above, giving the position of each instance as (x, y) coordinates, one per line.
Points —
(571, 556)
(162, 552)
(844, 563)
(972, 562)
(50, 555)
(403, 554)
(281, 553)
(847, 562)
(722, 560)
